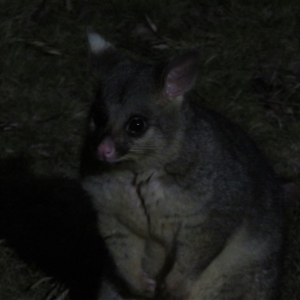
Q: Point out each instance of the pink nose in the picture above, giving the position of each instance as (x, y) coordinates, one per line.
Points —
(107, 150)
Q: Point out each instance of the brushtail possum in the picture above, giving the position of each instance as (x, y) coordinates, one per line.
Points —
(187, 205)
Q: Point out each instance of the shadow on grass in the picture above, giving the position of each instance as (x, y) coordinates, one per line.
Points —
(50, 223)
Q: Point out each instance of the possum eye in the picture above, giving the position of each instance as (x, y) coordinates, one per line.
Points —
(136, 126)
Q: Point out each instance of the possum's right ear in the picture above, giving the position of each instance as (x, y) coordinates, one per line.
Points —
(103, 56)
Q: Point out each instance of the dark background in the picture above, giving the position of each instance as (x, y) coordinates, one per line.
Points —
(250, 71)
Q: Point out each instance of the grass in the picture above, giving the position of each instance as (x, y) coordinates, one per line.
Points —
(250, 72)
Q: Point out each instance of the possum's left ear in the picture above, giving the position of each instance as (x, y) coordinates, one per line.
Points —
(180, 74)
(103, 56)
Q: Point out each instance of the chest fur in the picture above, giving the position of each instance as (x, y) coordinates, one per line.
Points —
(167, 205)
(148, 203)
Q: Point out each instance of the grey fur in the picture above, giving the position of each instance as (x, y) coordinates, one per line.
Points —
(190, 209)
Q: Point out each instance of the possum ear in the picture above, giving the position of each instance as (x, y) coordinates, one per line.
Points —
(103, 55)
(180, 74)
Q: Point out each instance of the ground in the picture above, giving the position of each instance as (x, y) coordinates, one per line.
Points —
(250, 72)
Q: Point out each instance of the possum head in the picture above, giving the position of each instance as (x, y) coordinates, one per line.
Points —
(137, 116)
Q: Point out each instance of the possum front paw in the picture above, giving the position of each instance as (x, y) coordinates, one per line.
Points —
(150, 287)
(144, 286)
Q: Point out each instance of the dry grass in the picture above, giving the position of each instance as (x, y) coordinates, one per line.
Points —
(250, 72)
